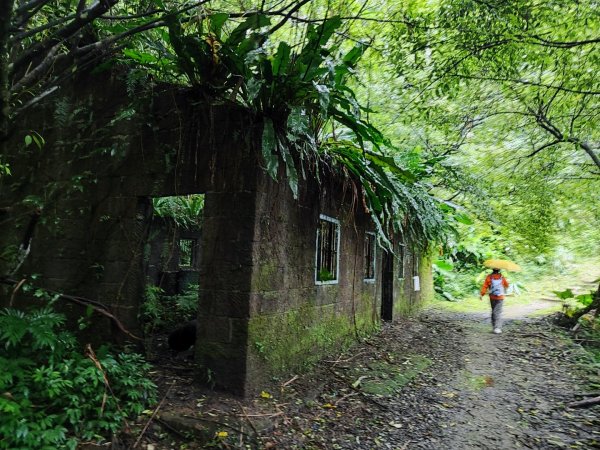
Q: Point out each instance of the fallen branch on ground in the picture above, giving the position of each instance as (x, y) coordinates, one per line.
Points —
(152, 416)
(585, 403)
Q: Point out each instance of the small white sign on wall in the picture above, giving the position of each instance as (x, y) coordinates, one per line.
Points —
(416, 283)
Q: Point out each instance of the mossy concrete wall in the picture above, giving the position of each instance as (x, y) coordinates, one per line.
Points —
(108, 151)
(293, 320)
(408, 263)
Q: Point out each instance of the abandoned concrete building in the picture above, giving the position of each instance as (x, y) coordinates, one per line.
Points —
(282, 281)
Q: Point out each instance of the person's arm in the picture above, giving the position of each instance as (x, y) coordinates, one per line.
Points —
(505, 283)
(485, 287)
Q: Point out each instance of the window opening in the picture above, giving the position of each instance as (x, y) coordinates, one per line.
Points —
(327, 254)
(369, 274)
(187, 253)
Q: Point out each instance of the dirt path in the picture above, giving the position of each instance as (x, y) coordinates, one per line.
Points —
(512, 390)
(481, 391)
(442, 381)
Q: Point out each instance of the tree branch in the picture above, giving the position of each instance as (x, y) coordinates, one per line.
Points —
(282, 22)
(30, 5)
(34, 31)
(38, 72)
(524, 82)
(543, 147)
(568, 44)
(82, 301)
(85, 17)
(6, 6)
(26, 15)
(588, 149)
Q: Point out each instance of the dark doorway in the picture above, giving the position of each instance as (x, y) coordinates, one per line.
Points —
(387, 286)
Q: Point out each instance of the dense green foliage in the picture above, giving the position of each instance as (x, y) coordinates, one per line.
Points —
(302, 95)
(54, 393)
(476, 116)
(160, 311)
(502, 96)
(185, 210)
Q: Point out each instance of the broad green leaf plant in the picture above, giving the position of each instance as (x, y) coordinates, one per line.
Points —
(308, 111)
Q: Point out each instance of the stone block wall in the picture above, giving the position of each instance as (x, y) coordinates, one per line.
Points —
(94, 178)
(292, 320)
(261, 314)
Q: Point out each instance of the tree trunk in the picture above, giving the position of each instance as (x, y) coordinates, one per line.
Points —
(592, 154)
(6, 12)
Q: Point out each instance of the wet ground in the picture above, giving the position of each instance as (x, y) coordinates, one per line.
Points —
(440, 381)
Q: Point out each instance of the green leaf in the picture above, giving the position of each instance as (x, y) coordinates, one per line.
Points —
(444, 265)
(141, 57)
(563, 295)
(298, 122)
(352, 57)
(585, 299)
(463, 218)
(251, 23)
(217, 21)
(253, 88)
(281, 59)
(269, 148)
(290, 169)
(320, 35)
(448, 296)
(323, 92)
(28, 140)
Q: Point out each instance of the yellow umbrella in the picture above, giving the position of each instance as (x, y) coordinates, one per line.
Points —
(502, 264)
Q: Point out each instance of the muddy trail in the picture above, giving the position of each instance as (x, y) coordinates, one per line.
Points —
(439, 381)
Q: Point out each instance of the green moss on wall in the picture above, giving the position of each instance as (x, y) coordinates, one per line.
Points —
(264, 278)
(296, 339)
(426, 275)
(406, 305)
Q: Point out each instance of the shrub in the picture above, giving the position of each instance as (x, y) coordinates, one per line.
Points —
(162, 311)
(52, 394)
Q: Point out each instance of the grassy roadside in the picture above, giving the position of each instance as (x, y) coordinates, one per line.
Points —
(535, 283)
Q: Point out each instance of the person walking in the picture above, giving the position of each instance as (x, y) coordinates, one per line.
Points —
(495, 284)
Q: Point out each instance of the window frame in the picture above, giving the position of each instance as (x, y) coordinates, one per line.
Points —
(338, 231)
(373, 257)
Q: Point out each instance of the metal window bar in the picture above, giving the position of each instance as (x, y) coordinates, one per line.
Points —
(327, 247)
(187, 252)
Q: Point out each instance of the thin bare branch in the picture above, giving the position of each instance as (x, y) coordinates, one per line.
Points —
(287, 16)
(33, 4)
(26, 15)
(543, 147)
(564, 44)
(81, 6)
(34, 101)
(7, 7)
(524, 82)
(133, 16)
(588, 149)
(87, 16)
